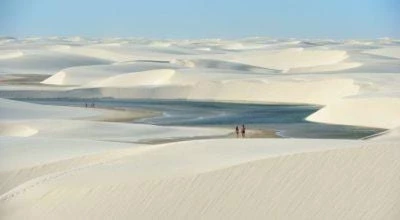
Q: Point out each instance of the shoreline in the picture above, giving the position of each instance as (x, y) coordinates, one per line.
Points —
(252, 134)
(132, 115)
(123, 115)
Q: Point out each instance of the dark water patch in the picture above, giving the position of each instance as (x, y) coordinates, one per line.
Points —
(287, 120)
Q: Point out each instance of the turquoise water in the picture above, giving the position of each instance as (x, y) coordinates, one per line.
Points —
(288, 120)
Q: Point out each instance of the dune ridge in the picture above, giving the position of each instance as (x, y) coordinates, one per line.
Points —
(360, 181)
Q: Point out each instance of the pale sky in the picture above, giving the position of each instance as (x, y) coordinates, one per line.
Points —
(201, 19)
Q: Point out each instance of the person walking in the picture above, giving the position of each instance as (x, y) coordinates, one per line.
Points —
(237, 131)
(243, 131)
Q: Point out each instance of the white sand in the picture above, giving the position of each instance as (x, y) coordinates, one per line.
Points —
(70, 163)
(214, 178)
(392, 52)
(382, 112)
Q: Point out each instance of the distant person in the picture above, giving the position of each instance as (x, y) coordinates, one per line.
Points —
(237, 131)
(243, 131)
(92, 105)
(85, 105)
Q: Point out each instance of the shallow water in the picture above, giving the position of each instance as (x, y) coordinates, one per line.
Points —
(288, 120)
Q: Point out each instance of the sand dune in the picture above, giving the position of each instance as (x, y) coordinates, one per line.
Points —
(290, 58)
(29, 158)
(17, 111)
(43, 62)
(93, 74)
(25, 152)
(83, 163)
(10, 54)
(363, 182)
(95, 53)
(372, 112)
(118, 132)
(393, 52)
(16, 130)
(144, 78)
(325, 68)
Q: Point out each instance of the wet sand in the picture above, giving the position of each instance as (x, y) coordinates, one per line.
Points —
(123, 115)
(250, 134)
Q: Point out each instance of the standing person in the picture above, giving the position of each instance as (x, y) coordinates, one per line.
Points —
(243, 131)
(237, 131)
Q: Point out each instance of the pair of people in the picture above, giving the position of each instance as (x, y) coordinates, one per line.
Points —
(242, 131)
(91, 105)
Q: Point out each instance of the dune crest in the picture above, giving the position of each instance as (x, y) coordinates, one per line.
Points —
(56, 79)
(16, 130)
(144, 78)
(291, 58)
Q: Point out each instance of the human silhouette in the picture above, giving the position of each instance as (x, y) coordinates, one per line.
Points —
(237, 131)
(243, 131)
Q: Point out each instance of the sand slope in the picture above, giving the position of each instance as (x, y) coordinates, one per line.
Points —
(352, 183)
(372, 112)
